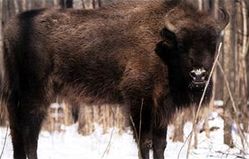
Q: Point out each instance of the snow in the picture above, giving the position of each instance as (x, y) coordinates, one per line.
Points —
(219, 103)
(71, 145)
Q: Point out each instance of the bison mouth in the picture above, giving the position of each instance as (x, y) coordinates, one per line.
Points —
(197, 84)
(198, 78)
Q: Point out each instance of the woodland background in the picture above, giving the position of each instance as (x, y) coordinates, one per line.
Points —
(231, 75)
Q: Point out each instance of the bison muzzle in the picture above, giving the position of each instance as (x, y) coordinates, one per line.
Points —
(152, 57)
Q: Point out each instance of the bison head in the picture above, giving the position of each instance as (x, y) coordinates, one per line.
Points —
(188, 46)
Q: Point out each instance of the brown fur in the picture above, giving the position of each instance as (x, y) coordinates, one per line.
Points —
(122, 54)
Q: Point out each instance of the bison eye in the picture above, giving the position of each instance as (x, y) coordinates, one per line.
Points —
(183, 48)
(191, 60)
(180, 46)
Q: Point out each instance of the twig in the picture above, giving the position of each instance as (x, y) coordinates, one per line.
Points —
(110, 139)
(6, 134)
(5, 140)
(227, 154)
(242, 135)
(136, 135)
(202, 98)
(140, 120)
(178, 156)
(109, 143)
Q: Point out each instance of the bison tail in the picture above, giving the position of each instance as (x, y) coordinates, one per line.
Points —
(3, 81)
(8, 74)
(3, 92)
(3, 89)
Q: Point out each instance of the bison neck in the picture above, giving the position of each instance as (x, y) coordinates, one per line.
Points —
(182, 95)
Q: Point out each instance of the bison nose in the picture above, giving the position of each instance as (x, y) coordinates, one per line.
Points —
(198, 75)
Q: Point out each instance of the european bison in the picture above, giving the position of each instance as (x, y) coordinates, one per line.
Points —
(151, 56)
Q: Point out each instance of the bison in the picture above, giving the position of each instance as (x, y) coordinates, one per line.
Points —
(152, 57)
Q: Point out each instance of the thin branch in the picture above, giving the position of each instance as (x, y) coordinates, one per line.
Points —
(5, 140)
(83, 4)
(245, 38)
(178, 156)
(231, 154)
(189, 137)
(136, 135)
(241, 134)
(109, 143)
(228, 88)
(140, 120)
(112, 132)
(202, 98)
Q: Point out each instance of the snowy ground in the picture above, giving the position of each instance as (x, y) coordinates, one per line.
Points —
(71, 145)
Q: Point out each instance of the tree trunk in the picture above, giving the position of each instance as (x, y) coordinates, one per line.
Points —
(93, 4)
(83, 4)
(229, 71)
(179, 125)
(66, 3)
(86, 115)
(55, 3)
(99, 3)
(242, 67)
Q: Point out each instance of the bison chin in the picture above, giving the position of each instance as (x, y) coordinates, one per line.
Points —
(197, 85)
(197, 90)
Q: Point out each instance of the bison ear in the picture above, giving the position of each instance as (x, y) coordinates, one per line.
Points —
(165, 47)
(223, 19)
(168, 36)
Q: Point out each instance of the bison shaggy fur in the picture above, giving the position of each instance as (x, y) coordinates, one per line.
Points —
(152, 57)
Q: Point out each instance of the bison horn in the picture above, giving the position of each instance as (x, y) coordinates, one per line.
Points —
(223, 18)
(168, 21)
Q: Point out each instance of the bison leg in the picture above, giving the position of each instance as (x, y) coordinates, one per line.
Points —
(142, 124)
(15, 128)
(30, 132)
(159, 142)
(26, 114)
(32, 116)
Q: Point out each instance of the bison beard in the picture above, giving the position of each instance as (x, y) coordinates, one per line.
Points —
(156, 56)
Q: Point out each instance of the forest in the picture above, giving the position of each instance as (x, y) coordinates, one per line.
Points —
(230, 98)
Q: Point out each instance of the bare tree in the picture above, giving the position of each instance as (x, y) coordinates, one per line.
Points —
(66, 3)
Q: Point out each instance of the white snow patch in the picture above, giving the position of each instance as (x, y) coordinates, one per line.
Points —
(71, 145)
(218, 103)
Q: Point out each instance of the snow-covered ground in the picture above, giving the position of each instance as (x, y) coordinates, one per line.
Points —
(71, 145)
